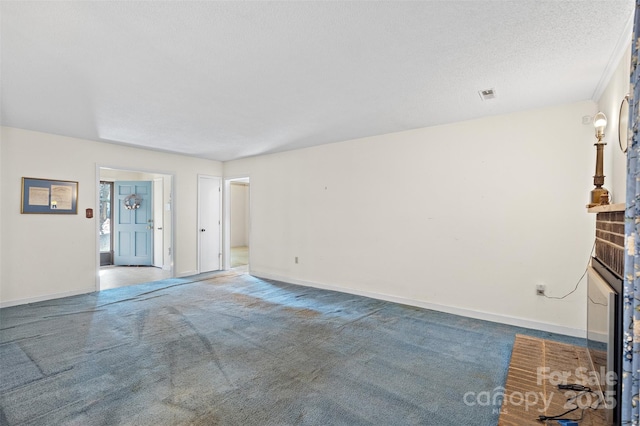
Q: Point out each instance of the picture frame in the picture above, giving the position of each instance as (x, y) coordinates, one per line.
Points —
(49, 196)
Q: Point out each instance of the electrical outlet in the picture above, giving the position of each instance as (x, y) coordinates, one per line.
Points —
(540, 289)
(296, 259)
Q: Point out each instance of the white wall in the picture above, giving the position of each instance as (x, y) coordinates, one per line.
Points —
(466, 218)
(111, 175)
(2, 192)
(239, 212)
(45, 256)
(615, 160)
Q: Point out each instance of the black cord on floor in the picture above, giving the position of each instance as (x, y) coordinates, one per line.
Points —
(583, 391)
(561, 416)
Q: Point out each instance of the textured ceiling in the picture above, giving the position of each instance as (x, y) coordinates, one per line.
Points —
(224, 80)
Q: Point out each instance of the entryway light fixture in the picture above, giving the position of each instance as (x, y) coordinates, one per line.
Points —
(599, 195)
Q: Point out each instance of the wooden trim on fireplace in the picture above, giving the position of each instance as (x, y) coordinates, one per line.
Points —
(607, 208)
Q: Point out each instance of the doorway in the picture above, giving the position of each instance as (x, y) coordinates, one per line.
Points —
(129, 200)
(238, 223)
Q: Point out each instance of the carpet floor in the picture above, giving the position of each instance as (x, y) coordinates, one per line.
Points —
(233, 349)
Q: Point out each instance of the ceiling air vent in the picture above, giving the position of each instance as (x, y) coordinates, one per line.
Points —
(487, 94)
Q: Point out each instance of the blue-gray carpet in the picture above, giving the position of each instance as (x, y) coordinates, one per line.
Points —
(238, 350)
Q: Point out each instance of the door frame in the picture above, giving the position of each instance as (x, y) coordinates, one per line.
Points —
(220, 227)
(226, 252)
(171, 202)
(157, 189)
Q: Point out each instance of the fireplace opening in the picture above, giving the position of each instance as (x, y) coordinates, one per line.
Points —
(604, 335)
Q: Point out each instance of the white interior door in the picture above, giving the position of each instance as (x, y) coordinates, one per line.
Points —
(209, 235)
(158, 221)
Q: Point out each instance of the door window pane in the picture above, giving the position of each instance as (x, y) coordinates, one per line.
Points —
(105, 216)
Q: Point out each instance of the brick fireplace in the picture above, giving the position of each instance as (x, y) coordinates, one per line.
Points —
(604, 302)
(610, 238)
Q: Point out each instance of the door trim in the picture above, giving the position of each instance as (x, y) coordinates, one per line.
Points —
(157, 189)
(172, 201)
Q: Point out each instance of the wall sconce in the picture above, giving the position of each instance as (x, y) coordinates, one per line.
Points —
(599, 195)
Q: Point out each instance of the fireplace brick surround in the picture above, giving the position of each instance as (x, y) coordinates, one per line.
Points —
(610, 236)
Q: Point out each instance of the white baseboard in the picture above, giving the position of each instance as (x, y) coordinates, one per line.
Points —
(46, 297)
(486, 316)
(186, 273)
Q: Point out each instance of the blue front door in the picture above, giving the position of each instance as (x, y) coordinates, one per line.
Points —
(133, 217)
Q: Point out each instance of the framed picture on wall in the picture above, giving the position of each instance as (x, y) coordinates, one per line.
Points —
(48, 196)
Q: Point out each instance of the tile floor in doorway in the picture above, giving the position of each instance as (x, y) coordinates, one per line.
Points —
(121, 276)
(239, 256)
